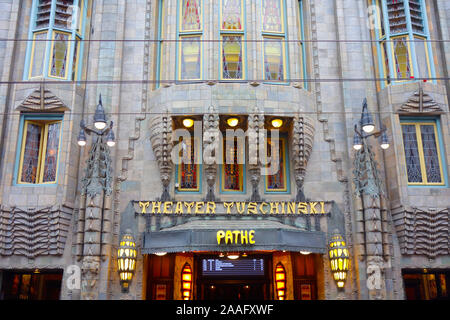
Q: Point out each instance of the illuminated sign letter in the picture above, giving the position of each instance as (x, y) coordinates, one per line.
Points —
(220, 235)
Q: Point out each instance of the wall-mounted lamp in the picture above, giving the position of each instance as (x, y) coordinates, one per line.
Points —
(233, 122)
(126, 260)
(186, 282)
(339, 260)
(280, 281)
(277, 123)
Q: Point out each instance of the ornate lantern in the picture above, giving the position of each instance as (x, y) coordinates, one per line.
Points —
(186, 282)
(280, 281)
(339, 260)
(126, 260)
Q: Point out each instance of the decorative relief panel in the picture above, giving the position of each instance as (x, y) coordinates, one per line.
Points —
(423, 231)
(420, 102)
(34, 232)
(42, 100)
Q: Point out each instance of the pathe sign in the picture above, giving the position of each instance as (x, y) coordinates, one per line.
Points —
(235, 237)
(234, 207)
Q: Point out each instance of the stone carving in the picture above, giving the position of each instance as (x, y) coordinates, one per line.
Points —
(89, 270)
(211, 139)
(98, 172)
(302, 143)
(42, 100)
(420, 102)
(256, 133)
(161, 139)
(34, 232)
(423, 231)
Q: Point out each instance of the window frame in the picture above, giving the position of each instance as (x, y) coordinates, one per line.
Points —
(242, 33)
(41, 120)
(417, 122)
(186, 34)
(390, 75)
(78, 20)
(286, 168)
(282, 36)
(243, 166)
(198, 149)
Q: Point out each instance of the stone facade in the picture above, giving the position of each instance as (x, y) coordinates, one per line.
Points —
(323, 110)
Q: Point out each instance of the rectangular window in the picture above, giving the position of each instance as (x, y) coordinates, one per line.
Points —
(274, 65)
(401, 58)
(189, 170)
(272, 11)
(43, 14)
(278, 182)
(190, 64)
(60, 51)
(422, 153)
(63, 14)
(397, 16)
(191, 15)
(233, 166)
(38, 54)
(422, 57)
(39, 152)
(232, 15)
(232, 62)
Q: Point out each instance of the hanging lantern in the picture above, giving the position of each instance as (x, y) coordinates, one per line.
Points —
(339, 260)
(126, 260)
(186, 282)
(280, 281)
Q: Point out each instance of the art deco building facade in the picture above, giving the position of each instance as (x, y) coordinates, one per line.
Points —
(181, 209)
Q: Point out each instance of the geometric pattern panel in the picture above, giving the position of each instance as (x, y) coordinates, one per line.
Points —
(423, 231)
(34, 232)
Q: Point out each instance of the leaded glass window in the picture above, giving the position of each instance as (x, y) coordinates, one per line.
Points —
(274, 59)
(56, 25)
(191, 13)
(401, 55)
(30, 158)
(272, 16)
(232, 66)
(190, 58)
(188, 170)
(274, 37)
(233, 166)
(422, 153)
(39, 152)
(276, 152)
(403, 38)
(232, 15)
(60, 52)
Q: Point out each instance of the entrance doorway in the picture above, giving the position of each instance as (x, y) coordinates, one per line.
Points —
(242, 279)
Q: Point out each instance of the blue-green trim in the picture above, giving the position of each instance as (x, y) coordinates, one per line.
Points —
(244, 47)
(427, 36)
(159, 44)
(288, 171)
(190, 33)
(412, 50)
(302, 26)
(34, 116)
(441, 148)
(244, 181)
(286, 47)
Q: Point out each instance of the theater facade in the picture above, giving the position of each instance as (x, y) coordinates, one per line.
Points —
(224, 150)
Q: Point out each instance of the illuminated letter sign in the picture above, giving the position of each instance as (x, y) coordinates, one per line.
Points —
(235, 237)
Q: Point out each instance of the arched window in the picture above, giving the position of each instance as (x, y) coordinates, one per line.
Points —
(401, 31)
(57, 29)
